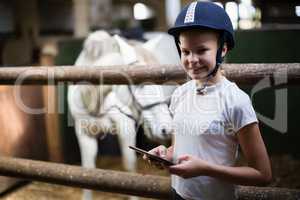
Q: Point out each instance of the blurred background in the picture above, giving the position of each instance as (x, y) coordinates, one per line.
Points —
(51, 32)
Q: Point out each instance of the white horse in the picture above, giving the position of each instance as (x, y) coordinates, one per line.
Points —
(98, 110)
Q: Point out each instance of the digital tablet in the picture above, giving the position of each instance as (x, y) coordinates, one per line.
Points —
(152, 157)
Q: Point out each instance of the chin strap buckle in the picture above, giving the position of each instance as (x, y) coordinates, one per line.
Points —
(202, 90)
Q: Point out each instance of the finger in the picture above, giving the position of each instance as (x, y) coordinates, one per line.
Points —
(157, 151)
(154, 151)
(145, 157)
(162, 151)
(183, 158)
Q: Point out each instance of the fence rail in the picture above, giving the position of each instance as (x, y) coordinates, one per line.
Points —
(118, 182)
(96, 179)
(159, 74)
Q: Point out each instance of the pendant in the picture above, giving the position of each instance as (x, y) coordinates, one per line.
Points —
(201, 91)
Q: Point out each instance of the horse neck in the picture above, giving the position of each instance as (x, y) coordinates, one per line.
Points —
(144, 56)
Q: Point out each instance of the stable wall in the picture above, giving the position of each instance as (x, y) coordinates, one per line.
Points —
(272, 46)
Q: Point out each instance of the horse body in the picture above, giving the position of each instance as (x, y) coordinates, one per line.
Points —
(117, 109)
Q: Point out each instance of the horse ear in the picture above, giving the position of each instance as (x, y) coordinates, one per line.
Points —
(127, 51)
(163, 48)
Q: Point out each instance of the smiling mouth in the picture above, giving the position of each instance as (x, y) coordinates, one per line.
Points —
(198, 70)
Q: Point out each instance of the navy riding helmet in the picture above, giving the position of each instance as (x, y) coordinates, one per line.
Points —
(205, 15)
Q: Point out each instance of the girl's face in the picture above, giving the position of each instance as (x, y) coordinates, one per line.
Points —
(198, 52)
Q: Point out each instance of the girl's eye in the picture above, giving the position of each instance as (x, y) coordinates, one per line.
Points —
(202, 50)
(184, 52)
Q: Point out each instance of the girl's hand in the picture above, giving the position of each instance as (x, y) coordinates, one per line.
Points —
(189, 166)
(160, 151)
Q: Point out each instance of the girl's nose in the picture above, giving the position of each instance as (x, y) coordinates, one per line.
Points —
(192, 58)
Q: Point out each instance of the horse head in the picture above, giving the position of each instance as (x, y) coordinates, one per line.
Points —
(147, 103)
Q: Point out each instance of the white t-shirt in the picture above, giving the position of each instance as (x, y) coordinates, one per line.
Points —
(206, 126)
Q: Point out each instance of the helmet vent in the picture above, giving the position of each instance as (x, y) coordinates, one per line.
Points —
(190, 14)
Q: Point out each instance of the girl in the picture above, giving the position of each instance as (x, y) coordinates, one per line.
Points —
(211, 115)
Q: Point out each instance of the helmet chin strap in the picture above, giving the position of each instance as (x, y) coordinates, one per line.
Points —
(212, 73)
(219, 59)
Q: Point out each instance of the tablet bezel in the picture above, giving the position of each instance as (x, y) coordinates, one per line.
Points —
(151, 156)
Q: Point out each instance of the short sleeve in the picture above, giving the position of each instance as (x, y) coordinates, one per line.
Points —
(243, 113)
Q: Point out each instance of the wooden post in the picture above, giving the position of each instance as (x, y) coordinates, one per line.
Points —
(50, 101)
